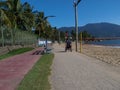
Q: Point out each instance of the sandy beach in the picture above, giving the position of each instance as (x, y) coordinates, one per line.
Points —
(106, 54)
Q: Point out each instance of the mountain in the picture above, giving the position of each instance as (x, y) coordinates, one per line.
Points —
(98, 29)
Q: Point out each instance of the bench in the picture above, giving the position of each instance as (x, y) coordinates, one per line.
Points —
(38, 52)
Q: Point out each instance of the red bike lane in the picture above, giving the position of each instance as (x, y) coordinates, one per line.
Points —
(13, 69)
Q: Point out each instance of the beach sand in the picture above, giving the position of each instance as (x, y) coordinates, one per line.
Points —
(106, 54)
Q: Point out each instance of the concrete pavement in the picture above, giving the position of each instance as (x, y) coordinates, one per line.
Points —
(75, 71)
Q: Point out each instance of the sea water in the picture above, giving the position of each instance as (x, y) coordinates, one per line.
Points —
(113, 43)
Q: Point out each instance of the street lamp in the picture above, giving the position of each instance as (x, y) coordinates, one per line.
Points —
(48, 17)
(76, 21)
(46, 36)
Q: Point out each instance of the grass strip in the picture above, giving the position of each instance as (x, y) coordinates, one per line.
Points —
(37, 77)
(15, 52)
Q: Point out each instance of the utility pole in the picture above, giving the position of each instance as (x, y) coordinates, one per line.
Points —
(76, 22)
(59, 37)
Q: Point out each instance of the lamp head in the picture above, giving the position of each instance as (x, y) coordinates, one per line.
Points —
(78, 2)
(74, 3)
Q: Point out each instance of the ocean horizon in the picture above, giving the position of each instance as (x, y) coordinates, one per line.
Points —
(113, 43)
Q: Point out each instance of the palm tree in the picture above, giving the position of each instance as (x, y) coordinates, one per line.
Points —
(42, 24)
(27, 19)
(55, 34)
(4, 20)
(20, 16)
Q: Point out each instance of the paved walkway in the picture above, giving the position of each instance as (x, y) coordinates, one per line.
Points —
(75, 71)
(13, 69)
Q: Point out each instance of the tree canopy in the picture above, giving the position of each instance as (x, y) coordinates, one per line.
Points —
(17, 16)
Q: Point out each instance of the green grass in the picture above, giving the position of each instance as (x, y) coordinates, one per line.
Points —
(37, 77)
(15, 52)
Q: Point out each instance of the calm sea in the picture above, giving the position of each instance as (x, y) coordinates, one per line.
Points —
(114, 43)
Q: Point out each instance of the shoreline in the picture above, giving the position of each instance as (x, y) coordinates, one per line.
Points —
(110, 46)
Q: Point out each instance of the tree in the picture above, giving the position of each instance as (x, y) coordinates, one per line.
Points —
(19, 16)
(55, 34)
(42, 25)
(4, 20)
(28, 19)
(62, 35)
(85, 34)
(73, 34)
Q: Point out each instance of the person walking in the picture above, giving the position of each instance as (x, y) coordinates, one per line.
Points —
(68, 45)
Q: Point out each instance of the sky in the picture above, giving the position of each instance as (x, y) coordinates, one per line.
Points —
(89, 11)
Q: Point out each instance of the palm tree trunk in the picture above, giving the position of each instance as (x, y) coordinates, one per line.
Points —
(12, 37)
(2, 37)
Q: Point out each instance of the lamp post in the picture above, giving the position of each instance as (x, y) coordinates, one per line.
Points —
(48, 17)
(59, 36)
(46, 37)
(76, 21)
